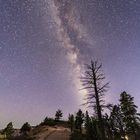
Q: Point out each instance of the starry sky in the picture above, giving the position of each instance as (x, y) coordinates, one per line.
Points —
(44, 45)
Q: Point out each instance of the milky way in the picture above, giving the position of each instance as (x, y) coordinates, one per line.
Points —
(67, 24)
(44, 45)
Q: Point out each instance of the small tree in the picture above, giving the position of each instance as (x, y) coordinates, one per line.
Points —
(9, 130)
(58, 115)
(88, 127)
(25, 128)
(87, 121)
(71, 121)
(79, 119)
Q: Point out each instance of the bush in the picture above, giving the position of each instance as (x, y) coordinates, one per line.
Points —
(22, 137)
(77, 136)
(49, 122)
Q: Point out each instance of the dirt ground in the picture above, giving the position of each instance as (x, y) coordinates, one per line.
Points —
(58, 133)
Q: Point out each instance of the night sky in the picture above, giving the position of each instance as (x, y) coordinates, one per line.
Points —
(44, 45)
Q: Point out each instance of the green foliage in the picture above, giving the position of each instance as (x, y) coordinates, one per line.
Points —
(25, 128)
(9, 130)
(58, 115)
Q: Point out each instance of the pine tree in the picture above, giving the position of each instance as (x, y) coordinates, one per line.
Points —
(9, 130)
(116, 122)
(71, 121)
(108, 128)
(25, 128)
(58, 115)
(79, 119)
(130, 116)
(87, 122)
(90, 128)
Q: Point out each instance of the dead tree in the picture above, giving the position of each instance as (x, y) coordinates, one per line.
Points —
(93, 83)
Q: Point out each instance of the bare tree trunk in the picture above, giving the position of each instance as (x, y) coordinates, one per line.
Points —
(93, 82)
(101, 125)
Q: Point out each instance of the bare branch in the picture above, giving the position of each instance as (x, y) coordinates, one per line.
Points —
(92, 82)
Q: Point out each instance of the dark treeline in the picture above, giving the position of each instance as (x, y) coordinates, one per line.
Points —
(10, 133)
(122, 121)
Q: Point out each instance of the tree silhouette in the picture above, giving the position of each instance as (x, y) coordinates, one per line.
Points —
(87, 123)
(93, 82)
(49, 121)
(79, 119)
(116, 122)
(9, 130)
(58, 115)
(25, 128)
(90, 127)
(131, 118)
(71, 121)
(107, 126)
